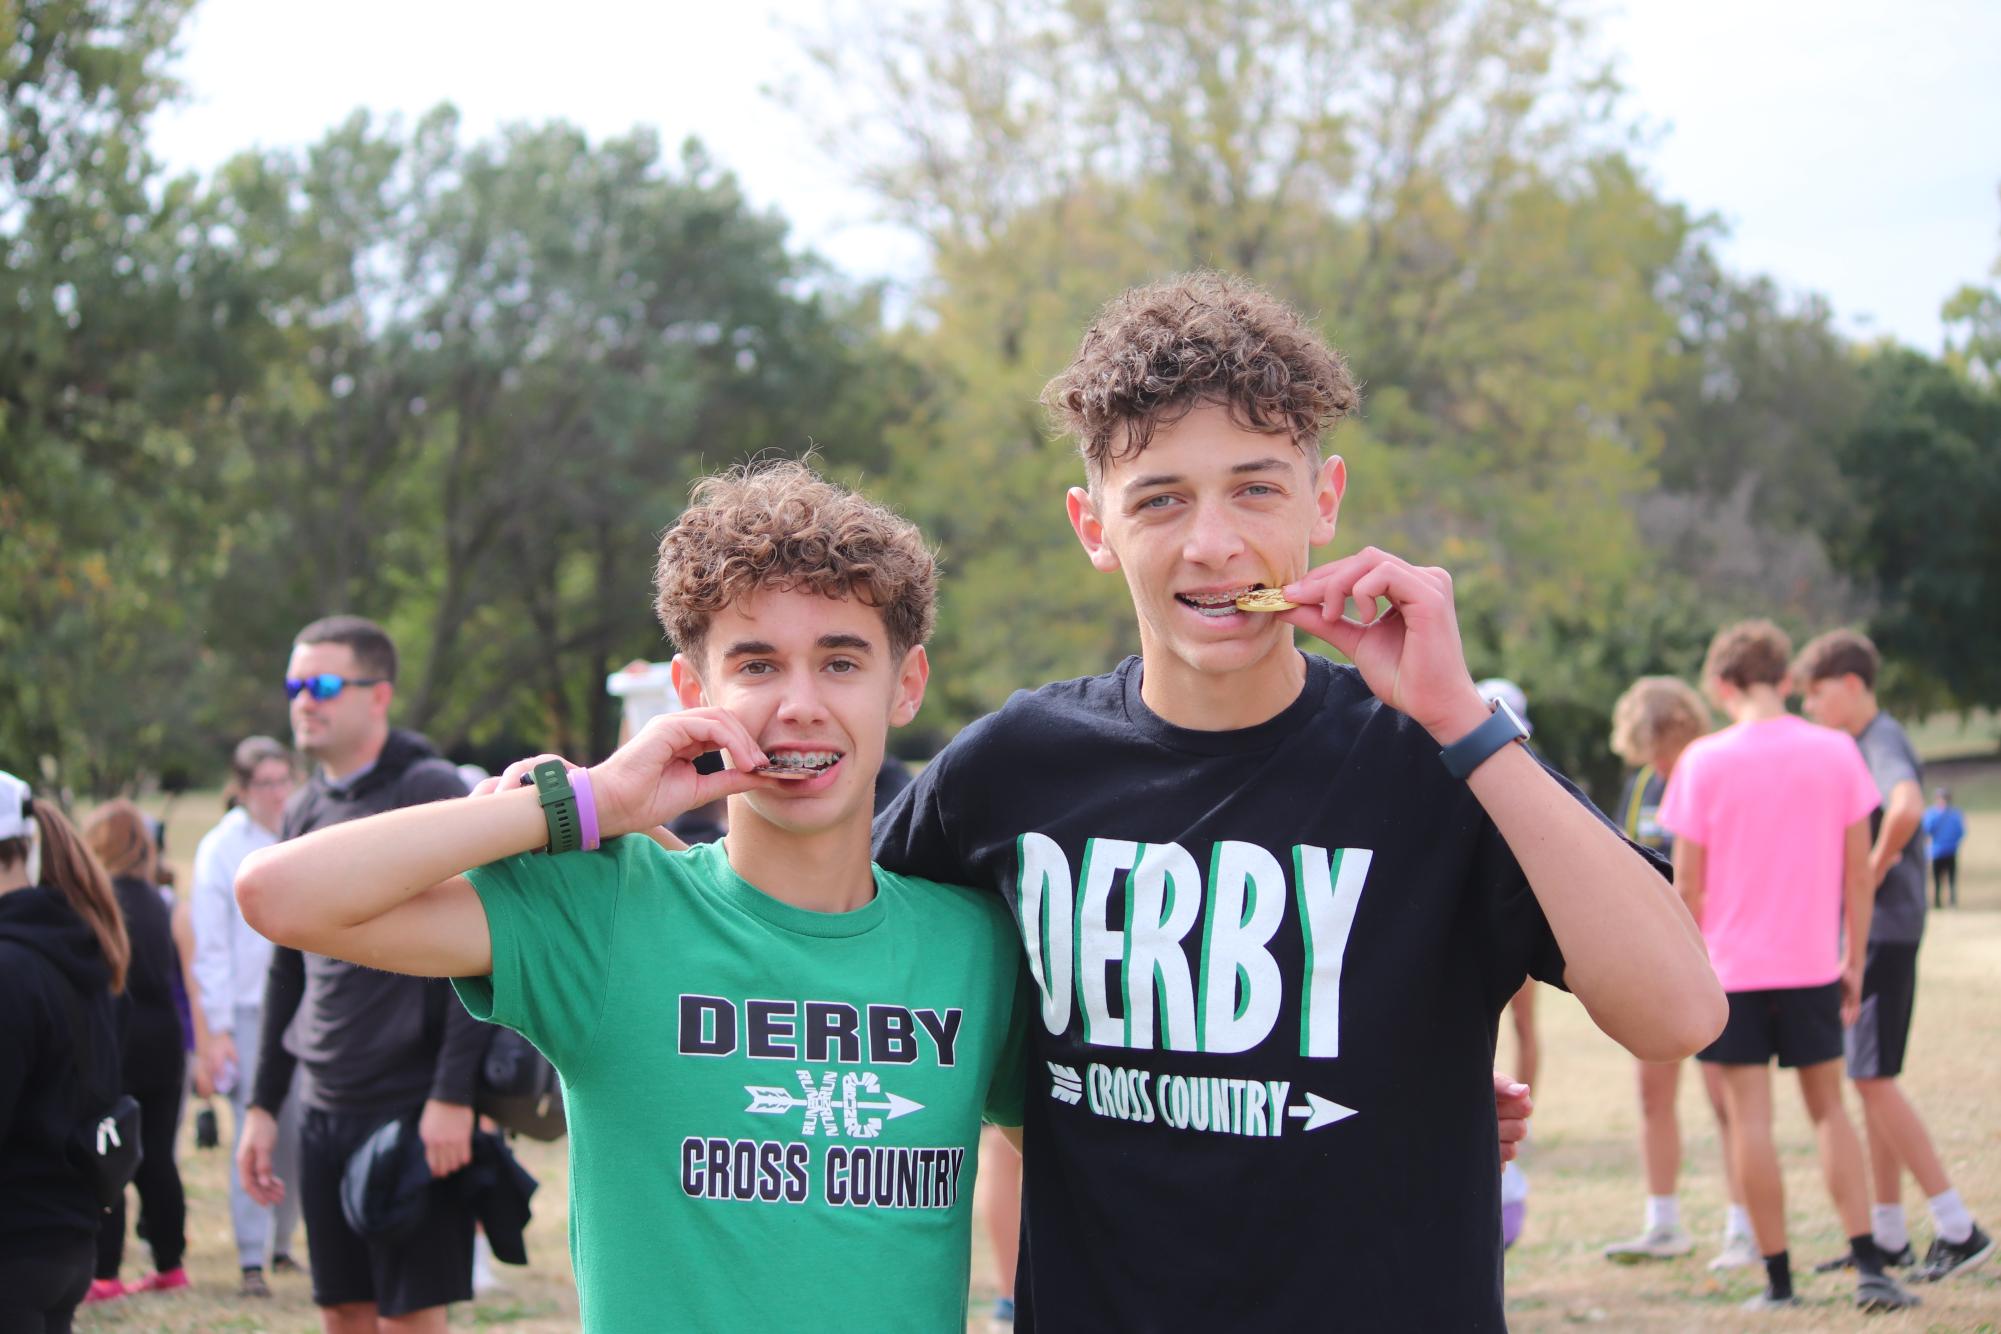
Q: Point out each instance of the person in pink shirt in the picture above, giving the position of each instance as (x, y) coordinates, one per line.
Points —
(1770, 819)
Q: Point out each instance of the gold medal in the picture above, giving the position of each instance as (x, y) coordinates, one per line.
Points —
(1264, 599)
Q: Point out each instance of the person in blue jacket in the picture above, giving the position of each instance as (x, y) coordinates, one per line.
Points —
(1945, 829)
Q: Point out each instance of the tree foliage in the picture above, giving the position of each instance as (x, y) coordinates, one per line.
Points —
(455, 386)
(460, 385)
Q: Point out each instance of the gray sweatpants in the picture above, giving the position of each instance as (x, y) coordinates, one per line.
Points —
(260, 1232)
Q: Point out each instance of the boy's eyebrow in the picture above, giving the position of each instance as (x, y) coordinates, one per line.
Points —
(1271, 464)
(1261, 465)
(744, 648)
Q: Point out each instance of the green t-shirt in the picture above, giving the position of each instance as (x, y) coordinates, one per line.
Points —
(774, 1113)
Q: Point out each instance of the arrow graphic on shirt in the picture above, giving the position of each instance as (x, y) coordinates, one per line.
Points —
(766, 1100)
(1320, 1112)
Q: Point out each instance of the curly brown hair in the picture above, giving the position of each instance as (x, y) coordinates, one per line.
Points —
(1656, 714)
(778, 524)
(1749, 653)
(1838, 653)
(1156, 353)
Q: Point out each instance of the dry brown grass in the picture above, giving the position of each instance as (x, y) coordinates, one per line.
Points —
(1583, 1165)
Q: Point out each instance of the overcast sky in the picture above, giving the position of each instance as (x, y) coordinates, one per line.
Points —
(1853, 149)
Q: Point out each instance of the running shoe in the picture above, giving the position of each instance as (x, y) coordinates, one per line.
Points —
(1903, 1259)
(1946, 1258)
(104, 1290)
(1880, 1292)
(1669, 1241)
(1737, 1253)
(1765, 1301)
(170, 1281)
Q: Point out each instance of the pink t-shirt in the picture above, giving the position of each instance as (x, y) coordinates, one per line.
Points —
(1770, 802)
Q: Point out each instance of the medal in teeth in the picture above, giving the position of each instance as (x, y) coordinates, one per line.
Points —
(799, 763)
(1264, 599)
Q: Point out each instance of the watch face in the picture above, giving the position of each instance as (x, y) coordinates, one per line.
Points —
(1501, 707)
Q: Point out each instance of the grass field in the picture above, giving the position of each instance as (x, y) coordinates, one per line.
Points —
(1583, 1165)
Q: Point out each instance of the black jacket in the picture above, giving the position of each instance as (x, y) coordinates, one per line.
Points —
(47, 1201)
(368, 1042)
(153, 1055)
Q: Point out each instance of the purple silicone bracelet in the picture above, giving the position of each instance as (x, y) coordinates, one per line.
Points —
(587, 807)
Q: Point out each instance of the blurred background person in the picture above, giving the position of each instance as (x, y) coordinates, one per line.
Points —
(368, 1047)
(1770, 818)
(1652, 723)
(231, 962)
(1945, 830)
(153, 1053)
(1836, 675)
(63, 958)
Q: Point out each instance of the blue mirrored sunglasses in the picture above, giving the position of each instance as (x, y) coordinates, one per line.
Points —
(326, 684)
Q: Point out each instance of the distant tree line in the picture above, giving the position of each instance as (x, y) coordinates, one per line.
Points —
(460, 386)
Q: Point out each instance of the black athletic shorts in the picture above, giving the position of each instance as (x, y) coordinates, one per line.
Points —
(1799, 1025)
(1889, 993)
(430, 1268)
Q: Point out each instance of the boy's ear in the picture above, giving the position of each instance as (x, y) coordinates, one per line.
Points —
(1330, 484)
(1090, 529)
(687, 682)
(911, 678)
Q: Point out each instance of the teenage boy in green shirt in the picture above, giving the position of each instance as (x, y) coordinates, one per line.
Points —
(775, 1056)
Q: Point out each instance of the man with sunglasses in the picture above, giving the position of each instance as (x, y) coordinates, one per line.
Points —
(372, 1047)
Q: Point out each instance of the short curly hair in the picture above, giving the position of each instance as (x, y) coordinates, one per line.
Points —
(1156, 353)
(1656, 714)
(1749, 653)
(1838, 653)
(779, 524)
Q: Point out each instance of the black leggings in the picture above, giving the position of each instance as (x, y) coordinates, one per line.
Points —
(1945, 870)
(39, 1293)
(163, 1208)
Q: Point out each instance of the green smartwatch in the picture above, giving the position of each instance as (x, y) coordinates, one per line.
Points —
(1474, 749)
(559, 806)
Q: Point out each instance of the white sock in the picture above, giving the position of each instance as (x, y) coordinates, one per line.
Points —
(1955, 1224)
(1737, 1223)
(1663, 1211)
(1892, 1232)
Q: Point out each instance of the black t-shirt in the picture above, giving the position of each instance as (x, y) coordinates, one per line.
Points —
(1265, 1100)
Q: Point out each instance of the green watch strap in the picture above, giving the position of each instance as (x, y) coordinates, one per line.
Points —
(559, 806)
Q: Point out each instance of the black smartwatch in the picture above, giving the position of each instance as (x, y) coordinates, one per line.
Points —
(1474, 749)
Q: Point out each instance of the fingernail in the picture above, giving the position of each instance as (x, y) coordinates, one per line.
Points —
(1516, 1090)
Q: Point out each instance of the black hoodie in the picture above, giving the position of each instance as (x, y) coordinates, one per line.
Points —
(152, 1051)
(47, 1202)
(369, 1042)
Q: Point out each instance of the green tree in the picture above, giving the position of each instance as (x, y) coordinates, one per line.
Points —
(94, 394)
(1441, 184)
(1927, 451)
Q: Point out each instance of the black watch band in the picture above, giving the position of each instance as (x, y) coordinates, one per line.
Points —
(1474, 749)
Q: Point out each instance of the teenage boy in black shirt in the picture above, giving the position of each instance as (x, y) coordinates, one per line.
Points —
(1273, 933)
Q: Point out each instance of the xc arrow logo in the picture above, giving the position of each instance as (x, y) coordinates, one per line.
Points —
(1066, 1085)
(820, 1103)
